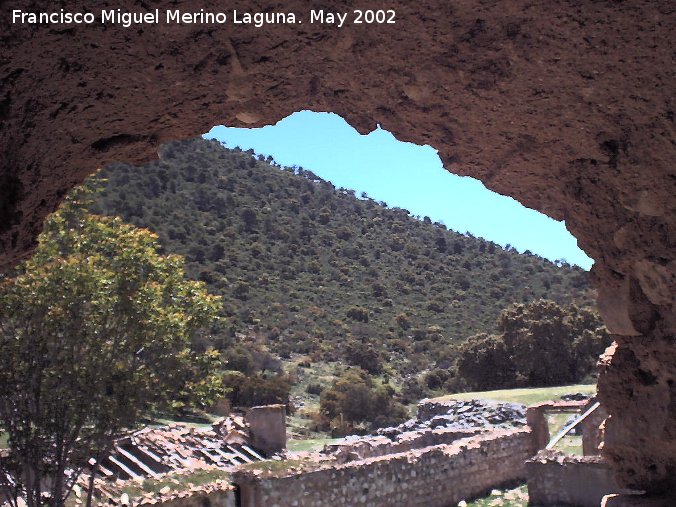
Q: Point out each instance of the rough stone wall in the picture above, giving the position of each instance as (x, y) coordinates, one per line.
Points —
(635, 500)
(638, 388)
(370, 447)
(591, 427)
(226, 498)
(566, 106)
(555, 479)
(592, 433)
(267, 425)
(437, 476)
(537, 422)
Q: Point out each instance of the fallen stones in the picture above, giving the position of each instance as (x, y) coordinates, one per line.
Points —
(456, 415)
(576, 397)
(467, 414)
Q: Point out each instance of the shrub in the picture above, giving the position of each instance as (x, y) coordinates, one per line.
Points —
(358, 314)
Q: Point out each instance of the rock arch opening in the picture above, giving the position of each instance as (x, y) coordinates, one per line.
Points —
(567, 108)
(407, 176)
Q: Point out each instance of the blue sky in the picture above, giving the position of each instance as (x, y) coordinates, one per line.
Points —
(404, 175)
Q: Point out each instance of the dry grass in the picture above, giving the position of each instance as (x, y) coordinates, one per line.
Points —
(527, 396)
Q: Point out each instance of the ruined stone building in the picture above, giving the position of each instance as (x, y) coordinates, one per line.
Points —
(451, 451)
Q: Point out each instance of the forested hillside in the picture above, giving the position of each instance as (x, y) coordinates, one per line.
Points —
(309, 268)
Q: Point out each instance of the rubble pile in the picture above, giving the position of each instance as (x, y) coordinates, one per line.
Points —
(108, 496)
(437, 423)
(576, 397)
(150, 452)
(461, 415)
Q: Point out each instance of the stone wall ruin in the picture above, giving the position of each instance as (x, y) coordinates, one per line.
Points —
(451, 451)
(566, 106)
(556, 479)
(267, 426)
(433, 476)
(590, 427)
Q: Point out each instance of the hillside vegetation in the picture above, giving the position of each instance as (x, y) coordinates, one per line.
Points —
(312, 265)
(306, 268)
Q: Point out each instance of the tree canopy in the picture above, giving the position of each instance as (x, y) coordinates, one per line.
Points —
(353, 398)
(538, 344)
(95, 330)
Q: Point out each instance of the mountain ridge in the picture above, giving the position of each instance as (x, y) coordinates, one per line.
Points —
(312, 268)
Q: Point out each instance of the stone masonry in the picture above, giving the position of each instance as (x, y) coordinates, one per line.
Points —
(435, 476)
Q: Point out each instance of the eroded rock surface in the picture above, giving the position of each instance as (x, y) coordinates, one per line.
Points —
(566, 106)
